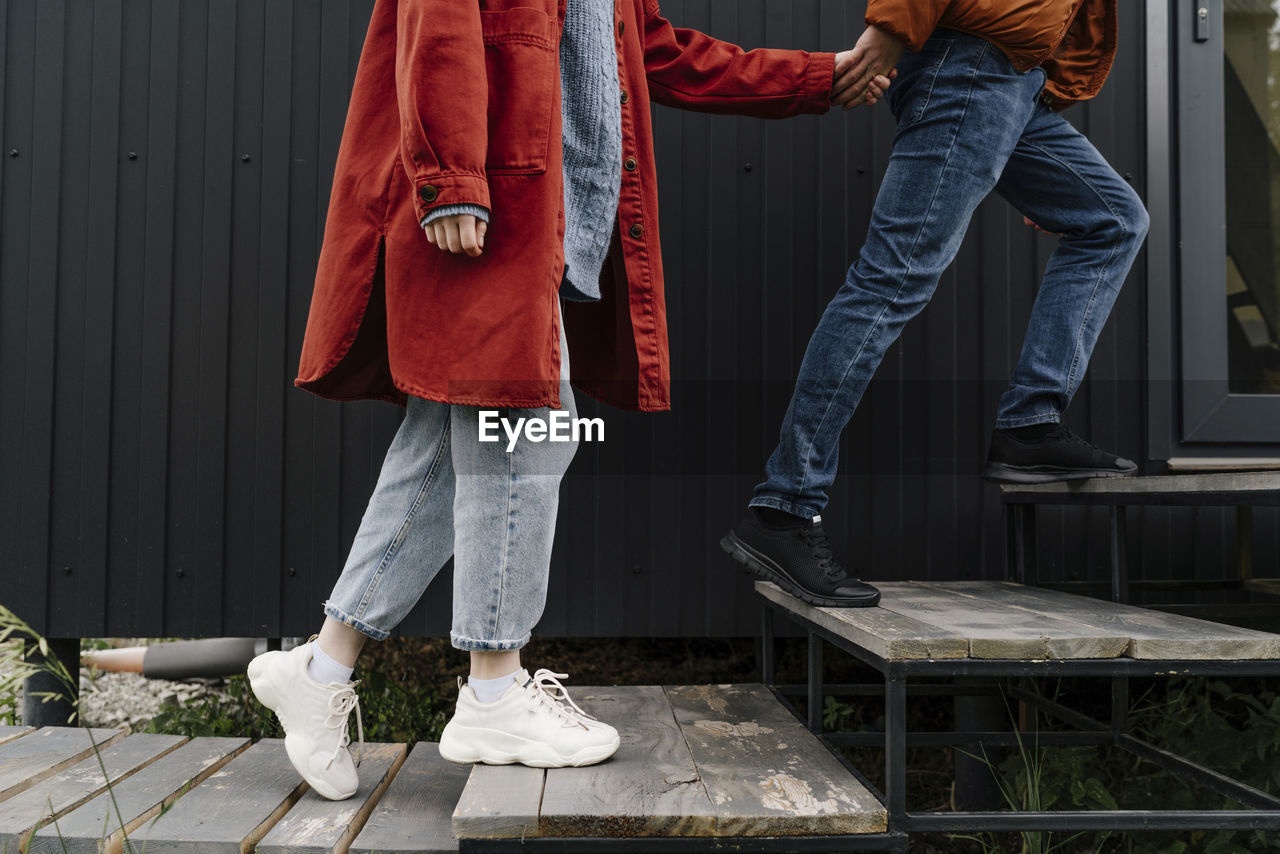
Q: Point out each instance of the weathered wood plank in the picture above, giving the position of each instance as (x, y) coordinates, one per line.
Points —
(9, 733)
(887, 634)
(650, 787)
(996, 631)
(230, 811)
(95, 827)
(499, 802)
(28, 760)
(1260, 482)
(415, 815)
(316, 825)
(1152, 635)
(22, 814)
(764, 772)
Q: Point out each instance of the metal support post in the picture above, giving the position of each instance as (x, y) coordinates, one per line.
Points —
(61, 709)
(1119, 555)
(815, 683)
(895, 749)
(767, 675)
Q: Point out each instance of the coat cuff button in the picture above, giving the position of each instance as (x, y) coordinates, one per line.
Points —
(428, 193)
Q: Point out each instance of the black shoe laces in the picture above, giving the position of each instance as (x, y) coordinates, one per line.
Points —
(819, 546)
(1063, 432)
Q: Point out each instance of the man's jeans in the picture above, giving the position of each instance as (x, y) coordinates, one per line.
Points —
(443, 492)
(968, 123)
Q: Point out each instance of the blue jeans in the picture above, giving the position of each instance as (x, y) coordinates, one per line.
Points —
(442, 492)
(968, 123)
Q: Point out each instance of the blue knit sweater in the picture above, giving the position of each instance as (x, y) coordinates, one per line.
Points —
(592, 120)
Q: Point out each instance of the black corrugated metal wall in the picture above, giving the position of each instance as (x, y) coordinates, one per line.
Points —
(162, 194)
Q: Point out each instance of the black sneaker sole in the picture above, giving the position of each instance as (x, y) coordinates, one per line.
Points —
(764, 568)
(1005, 473)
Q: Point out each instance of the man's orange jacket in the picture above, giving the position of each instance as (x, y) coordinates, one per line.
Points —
(1075, 40)
(458, 101)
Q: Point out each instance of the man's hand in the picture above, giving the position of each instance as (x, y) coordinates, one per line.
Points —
(458, 233)
(863, 74)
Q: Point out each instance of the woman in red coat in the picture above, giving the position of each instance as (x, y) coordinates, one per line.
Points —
(456, 128)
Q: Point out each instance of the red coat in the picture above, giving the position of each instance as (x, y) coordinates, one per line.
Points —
(459, 102)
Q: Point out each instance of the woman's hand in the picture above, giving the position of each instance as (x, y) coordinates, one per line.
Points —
(457, 233)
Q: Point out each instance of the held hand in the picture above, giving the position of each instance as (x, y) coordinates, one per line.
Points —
(866, 70)
(1027, 221)
(458, 233)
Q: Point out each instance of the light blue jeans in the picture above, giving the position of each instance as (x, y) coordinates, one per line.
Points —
(443, 493)
(968, 124)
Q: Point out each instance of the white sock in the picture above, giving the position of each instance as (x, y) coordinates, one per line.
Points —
(488, 690)
(325, 670)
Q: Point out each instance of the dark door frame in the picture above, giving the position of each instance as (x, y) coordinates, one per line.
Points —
(1192, 411)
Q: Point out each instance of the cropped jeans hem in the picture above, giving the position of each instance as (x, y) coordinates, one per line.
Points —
(784, 505)
(361, 626)
(1027, 420)
(476, 645)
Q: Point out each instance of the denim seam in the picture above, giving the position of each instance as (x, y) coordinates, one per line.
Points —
(804, 475)
(1093, 294)
(933, 80)
(506, 545)
(393, 548)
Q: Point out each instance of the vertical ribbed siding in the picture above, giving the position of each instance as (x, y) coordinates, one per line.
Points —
(159, 230)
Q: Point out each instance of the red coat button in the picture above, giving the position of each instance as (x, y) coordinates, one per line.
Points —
(637, 231)
(428, 193)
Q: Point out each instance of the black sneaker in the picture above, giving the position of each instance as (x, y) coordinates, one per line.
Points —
(798, 560)
(1056, 454)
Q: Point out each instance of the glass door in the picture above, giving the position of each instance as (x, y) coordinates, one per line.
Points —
(1227, 103)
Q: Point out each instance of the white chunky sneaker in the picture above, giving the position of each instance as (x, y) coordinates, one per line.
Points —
(314, 718)
(533, 723)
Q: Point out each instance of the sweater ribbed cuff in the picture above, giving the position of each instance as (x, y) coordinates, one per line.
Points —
(477, 211)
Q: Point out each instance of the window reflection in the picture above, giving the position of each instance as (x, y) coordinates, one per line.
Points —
(1252, 108)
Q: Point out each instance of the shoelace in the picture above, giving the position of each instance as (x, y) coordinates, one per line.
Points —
(815, 537)
(543, 682)
(341, 702)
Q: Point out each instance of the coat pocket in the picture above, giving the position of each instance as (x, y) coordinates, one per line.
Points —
(520, 61)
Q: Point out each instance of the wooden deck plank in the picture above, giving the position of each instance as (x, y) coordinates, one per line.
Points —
(1259, 482)
(650, 787)
(999, 631)
(28, 760)
(415, 814)
(231, 810)
(889, 635)
(499, 802)
(765, 773)
(1153, 635)
(317, 825)
(9, 733)
(24, 813)
(95, 827)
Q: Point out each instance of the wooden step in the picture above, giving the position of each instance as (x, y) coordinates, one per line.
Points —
(27, 760)
(695, 761)
(230, 811)
(96, 827)
(319, 826)
(1003, 620)
(9, 733)
(414, 815)
(27, 811)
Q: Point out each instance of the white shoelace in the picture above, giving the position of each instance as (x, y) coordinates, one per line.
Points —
(543, 683)
(341, 702)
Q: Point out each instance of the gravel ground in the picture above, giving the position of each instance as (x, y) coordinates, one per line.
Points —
(131, 699)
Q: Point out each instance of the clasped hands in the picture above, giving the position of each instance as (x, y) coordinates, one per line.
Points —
(862, 76)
